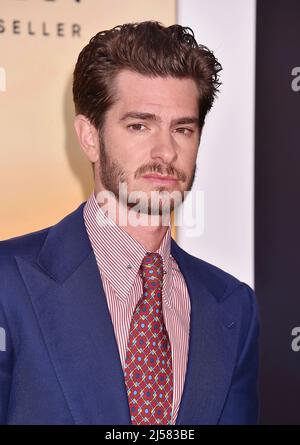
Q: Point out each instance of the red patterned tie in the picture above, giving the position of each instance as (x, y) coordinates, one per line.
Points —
(148, 369)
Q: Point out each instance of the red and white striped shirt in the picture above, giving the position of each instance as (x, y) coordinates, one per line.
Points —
(119, 257)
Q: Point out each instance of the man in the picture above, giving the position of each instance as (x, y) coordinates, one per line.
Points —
(105, 319)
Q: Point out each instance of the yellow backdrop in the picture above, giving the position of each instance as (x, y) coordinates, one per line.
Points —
(43, 175)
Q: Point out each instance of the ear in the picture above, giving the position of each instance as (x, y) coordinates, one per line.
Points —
(88, 137)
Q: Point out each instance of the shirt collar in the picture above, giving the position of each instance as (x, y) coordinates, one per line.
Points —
(118, 255)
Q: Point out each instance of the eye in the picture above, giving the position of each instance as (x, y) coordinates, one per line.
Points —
(137, 127)
(184, 130)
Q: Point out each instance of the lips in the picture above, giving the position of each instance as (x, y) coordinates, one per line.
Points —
(160, 179)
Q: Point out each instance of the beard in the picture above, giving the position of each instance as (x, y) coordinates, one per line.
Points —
(161, 200)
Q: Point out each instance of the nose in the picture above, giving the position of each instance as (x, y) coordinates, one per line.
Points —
(164, 147)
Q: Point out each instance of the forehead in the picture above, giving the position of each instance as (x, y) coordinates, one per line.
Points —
(155, 94)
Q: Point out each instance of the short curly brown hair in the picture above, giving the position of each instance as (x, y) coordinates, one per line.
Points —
(148, 48)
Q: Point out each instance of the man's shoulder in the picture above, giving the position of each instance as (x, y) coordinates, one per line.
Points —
(29, 244)
(24, 245)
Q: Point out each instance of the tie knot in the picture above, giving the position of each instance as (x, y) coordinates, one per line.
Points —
(152, 266)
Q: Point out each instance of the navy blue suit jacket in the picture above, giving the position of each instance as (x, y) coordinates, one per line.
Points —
(59, 362)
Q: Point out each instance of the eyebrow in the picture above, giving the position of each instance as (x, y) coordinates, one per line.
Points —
(153, 117)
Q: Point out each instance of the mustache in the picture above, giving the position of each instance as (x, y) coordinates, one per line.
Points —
(156, 167)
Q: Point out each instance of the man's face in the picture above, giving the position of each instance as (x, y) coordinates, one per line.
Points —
(150, 137)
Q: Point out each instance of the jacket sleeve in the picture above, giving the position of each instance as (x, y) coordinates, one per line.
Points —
(242, 400)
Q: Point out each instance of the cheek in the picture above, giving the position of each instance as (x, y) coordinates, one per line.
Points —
(126, 153)
(189, 160)
(130, 162)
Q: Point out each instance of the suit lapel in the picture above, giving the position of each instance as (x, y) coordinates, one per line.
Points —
(71, 309)
(212, 350)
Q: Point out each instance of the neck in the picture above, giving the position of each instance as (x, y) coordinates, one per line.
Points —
(150, 237)
(148, 230)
